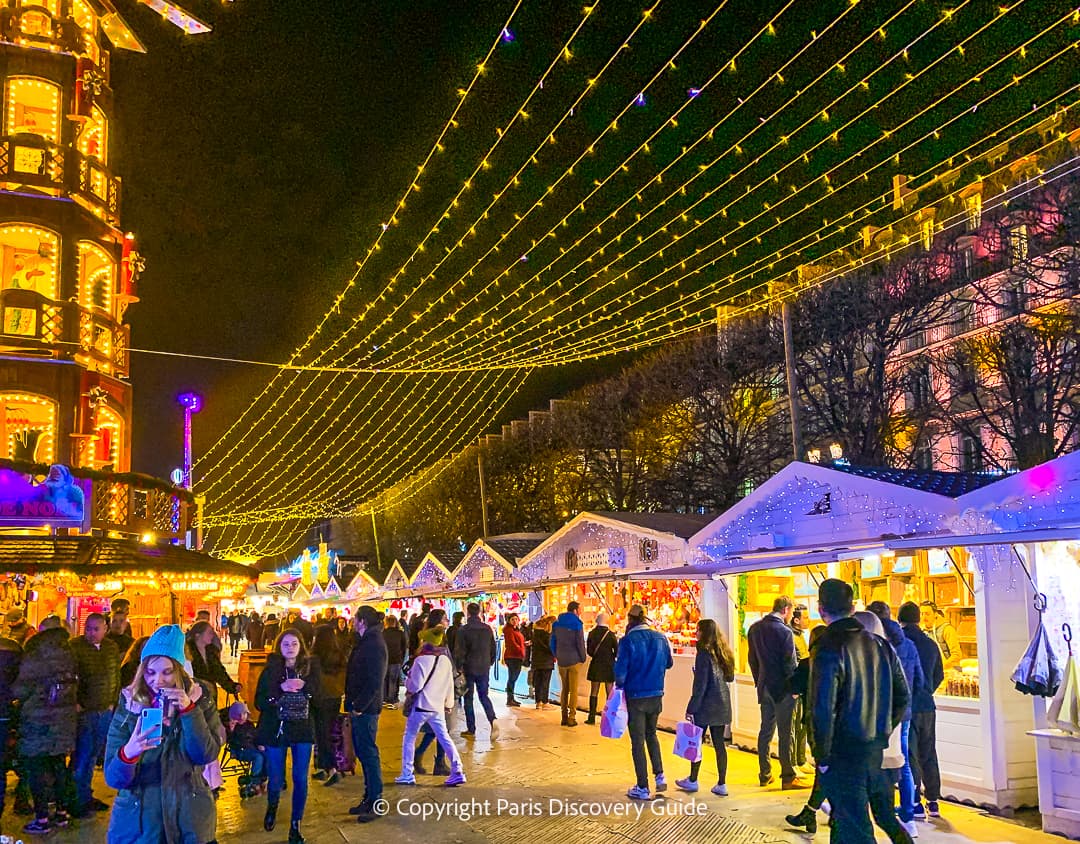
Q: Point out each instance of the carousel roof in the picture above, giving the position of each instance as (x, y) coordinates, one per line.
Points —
(98, 555)
(949, 484)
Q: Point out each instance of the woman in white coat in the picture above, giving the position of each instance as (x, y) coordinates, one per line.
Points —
(430, 690)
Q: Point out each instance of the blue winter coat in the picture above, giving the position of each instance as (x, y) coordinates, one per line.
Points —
(163, 797)
(568, 640)
(643, 660)
(909, 660)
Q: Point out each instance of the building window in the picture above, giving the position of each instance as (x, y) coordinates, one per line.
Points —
(926, 233)
(27, 427)
(973, 211)
(1014, 297)
(94, 139)
(97, 277)
(1019, 239)
(971, 457)
(33, 108)
(29, 259)
(966, 319)
(924, 456)
(920, 387)
(965, 265)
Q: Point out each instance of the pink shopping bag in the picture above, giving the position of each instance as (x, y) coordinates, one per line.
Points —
(615, 718)
(688, 738)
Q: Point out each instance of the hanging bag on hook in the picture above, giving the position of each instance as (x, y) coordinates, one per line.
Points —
(1064, 711)
(1037, 673)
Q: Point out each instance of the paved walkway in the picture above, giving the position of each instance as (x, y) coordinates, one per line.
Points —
(526, 787)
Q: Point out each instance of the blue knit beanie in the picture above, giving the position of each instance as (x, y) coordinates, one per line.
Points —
(168, 640)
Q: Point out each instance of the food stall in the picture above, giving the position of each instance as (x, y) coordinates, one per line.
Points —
(608, 562)
(1024, 531)
(890, 534)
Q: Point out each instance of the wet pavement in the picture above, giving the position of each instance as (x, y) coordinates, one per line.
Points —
(539, 783)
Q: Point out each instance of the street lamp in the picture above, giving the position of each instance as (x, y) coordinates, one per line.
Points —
(192, 404)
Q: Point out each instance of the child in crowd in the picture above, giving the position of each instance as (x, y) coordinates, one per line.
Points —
(240, 730)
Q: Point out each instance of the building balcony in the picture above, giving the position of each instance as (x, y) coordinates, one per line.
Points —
(39, 325)
(33, 162)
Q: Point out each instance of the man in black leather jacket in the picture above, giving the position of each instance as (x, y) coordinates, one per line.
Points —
(859, 694)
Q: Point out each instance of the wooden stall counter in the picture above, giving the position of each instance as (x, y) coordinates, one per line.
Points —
(252, 663)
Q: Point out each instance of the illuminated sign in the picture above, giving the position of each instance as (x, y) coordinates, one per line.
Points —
(195, 586)
(58, 501)
(595, 560)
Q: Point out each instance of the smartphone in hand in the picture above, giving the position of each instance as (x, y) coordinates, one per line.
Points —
(150, 723)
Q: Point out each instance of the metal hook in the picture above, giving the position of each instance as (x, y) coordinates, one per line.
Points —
(1040, 602)
(1066, 632)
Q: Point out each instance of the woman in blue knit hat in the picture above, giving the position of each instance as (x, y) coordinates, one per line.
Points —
(163, 797)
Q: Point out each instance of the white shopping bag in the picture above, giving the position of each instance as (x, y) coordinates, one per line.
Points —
(615, 718)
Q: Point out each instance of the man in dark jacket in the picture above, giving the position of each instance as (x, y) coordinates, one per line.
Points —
(10, 657)
(923, 736)
(364, 685)
(772, 663)
(97, 661)
(47, 686)
(568, 645)
(416, 624)
(474, 651)
(396, 645)
(640, 670)
(858, 695)
(119, 627)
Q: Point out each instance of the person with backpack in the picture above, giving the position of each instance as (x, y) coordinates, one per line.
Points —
(429, 697)
(710, 700)
(326, 706)
(283, 697)
(47, 688)
(163, 796)
(602, 647)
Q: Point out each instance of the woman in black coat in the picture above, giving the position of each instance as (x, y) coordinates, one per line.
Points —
(206, 663)
(710, 700)
(602, 646)
(286, 723)
(543, 660)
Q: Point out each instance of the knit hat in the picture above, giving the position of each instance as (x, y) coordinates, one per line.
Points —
(168, 640)
(238, 710)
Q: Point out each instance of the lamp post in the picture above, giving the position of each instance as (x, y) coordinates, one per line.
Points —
(192, 404)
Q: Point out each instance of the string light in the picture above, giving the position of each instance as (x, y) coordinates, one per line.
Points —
(568, 295)
(239, 424)
(532, 340)
(492, 350)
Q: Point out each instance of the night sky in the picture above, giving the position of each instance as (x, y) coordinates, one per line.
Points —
(262, 161)
(257, 162)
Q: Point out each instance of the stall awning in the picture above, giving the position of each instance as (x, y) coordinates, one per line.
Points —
(742, 565)
(1014, 537)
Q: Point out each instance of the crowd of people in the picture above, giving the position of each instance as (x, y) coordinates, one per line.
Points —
(858, 699)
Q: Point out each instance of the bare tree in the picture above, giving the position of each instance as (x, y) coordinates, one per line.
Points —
(727, 431)
(847, 336)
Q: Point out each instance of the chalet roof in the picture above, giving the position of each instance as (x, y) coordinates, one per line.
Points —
(682, 525)
(449, 557)
(949, 484)
(514, 546)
